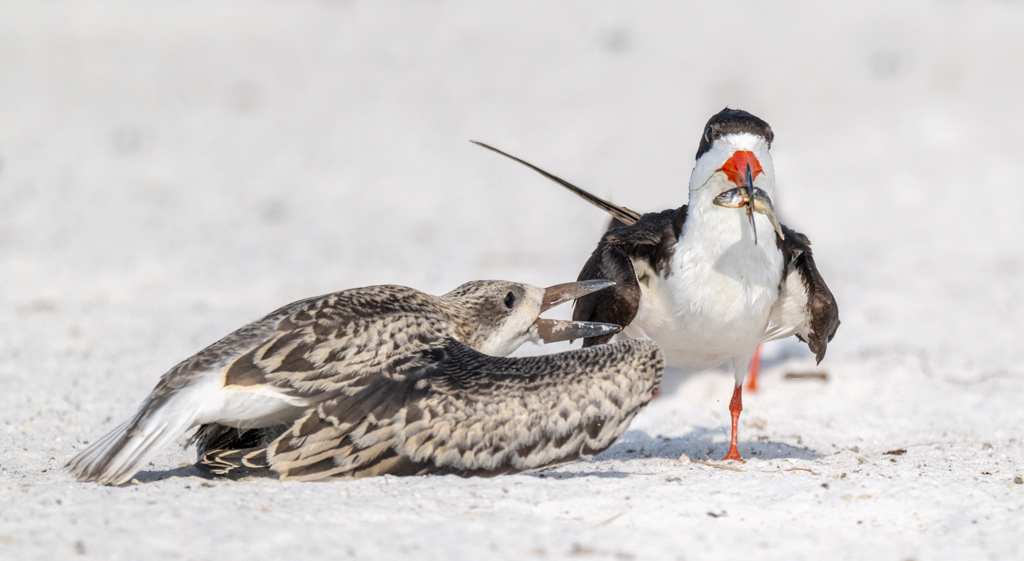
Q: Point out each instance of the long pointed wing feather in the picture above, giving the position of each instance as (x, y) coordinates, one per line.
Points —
(620, 213)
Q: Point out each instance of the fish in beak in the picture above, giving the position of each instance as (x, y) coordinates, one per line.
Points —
(763, 205)
(741, 169)
(740, 197)
(554, 330)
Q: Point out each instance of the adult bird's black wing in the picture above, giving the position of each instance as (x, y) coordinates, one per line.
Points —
(806, 307)
(620, 213)
(632, 239)
(628, 255)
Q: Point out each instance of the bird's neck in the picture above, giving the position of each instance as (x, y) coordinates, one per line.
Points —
(460, 321)
(719, 229)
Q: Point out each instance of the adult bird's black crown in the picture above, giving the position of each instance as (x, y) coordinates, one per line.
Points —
(732, 121)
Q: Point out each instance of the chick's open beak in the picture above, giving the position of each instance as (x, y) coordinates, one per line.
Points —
(553, 330)
(561, 293)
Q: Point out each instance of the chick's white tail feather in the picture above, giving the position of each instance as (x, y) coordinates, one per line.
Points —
(115, 458)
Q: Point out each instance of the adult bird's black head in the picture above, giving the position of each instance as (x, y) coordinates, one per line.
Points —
(734, 168)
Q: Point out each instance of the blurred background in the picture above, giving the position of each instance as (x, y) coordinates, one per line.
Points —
(169, 171)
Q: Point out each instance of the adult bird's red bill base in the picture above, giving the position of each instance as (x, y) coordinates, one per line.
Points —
(707, 283)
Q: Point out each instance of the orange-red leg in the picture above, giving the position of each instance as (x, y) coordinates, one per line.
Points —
(755, 369)
(735, 407)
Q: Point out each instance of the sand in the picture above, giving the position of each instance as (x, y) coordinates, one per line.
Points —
(171, 171)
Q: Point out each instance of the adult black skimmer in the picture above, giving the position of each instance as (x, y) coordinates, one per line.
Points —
(387, 379)
(707, 283)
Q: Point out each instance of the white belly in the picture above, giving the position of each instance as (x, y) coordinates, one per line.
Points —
(713, 303)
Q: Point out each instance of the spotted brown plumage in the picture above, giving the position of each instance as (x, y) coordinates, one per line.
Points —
(255, 382)
(452, 410)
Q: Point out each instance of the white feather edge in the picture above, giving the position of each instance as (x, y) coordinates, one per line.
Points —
(154, 427)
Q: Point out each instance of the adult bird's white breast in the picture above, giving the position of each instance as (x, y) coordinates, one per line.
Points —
(717, 293)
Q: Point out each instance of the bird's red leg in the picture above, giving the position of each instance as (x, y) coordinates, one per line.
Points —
(735, 406)
(755, 369)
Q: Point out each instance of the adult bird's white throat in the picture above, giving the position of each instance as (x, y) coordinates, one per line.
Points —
(715, 278)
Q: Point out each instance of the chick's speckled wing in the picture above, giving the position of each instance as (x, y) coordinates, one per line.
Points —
(313, 348)
(450, 409)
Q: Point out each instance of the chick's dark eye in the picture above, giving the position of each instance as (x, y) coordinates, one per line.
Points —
(510, 300)
(707, 134)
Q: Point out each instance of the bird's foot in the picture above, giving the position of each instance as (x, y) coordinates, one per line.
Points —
(734, 454)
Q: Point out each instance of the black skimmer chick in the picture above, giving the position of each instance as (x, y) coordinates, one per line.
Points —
(709, 284)
(372, 355)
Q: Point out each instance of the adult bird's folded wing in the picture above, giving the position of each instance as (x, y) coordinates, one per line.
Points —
(806, 307)
(628, 255)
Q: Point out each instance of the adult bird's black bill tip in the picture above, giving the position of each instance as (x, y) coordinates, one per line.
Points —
(749, 177)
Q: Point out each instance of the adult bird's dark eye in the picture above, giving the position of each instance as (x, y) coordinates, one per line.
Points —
(510, 299)
(707, 134)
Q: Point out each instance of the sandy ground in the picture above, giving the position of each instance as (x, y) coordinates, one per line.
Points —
(169, 171)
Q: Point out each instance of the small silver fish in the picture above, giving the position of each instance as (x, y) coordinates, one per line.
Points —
(733, 198)
(739, 198)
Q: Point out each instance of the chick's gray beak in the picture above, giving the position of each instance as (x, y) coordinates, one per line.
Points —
(562, 293)
(554, 330)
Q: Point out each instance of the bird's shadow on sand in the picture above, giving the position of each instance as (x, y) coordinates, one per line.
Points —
(195, 471)
(696, 444)
(183, 471)
(699, 444)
